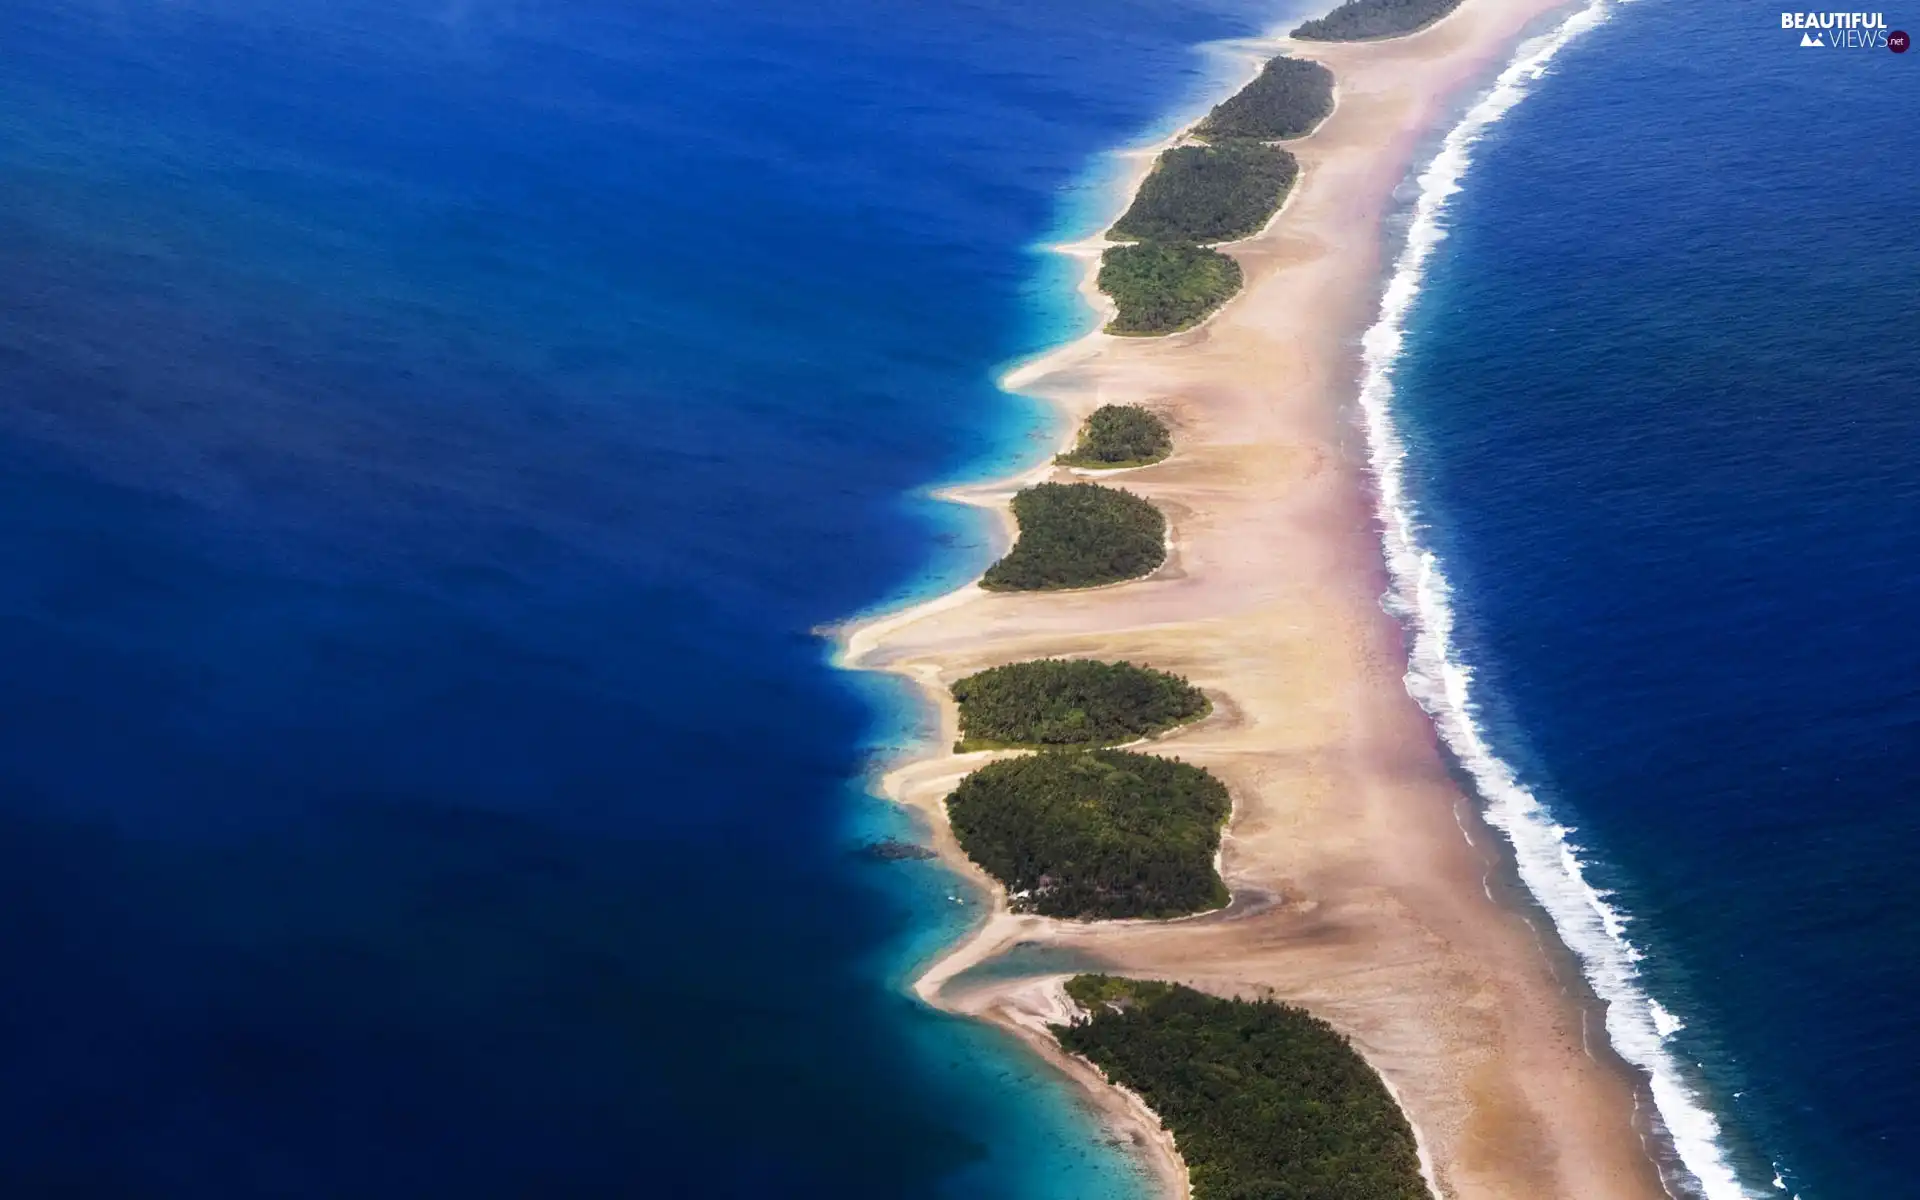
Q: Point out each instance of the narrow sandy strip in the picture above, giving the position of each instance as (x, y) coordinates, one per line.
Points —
(1356, 893)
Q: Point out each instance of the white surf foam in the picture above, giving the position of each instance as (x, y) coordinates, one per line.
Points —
(1549, 864)
(1665, 1023)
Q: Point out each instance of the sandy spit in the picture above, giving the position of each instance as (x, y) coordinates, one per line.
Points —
(1366, 887)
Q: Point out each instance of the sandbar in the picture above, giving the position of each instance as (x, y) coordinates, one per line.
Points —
(1366, 888)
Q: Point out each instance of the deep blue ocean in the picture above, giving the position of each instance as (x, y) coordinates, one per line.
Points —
(1663, 428)
(430, 433)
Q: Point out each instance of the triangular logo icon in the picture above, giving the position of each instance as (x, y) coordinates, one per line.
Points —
(1811, 39)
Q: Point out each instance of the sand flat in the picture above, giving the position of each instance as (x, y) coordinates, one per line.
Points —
(1366, 888)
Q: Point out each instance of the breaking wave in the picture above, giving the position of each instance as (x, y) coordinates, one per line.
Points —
(1549, 864)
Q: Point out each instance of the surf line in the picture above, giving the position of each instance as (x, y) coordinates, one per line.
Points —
(1549, 864)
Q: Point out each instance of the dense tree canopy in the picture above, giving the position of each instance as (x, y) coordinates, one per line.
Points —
(1265, 1101)
(1054, 702)
(1208, 194)
(1079, 535)
(1095, 834)
(1165, 281)
(1360, 20)
(1165, 287)
(1120, 435)
(1289, 97)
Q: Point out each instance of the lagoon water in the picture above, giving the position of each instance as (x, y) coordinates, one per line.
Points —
(430, 434)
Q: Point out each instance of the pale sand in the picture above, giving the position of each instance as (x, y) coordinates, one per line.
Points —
(1364, 881)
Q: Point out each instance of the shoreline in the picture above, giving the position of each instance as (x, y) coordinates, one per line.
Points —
(1370, 870)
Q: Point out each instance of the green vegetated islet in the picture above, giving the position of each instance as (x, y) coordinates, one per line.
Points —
(1165, 280)
(1265, 1101)
(1076, 535)
(1056, 702)
(1119, 435)
(1208, 194)
(1287, 99)
(1162, 287)
(1095, 834)
(1362, 20)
